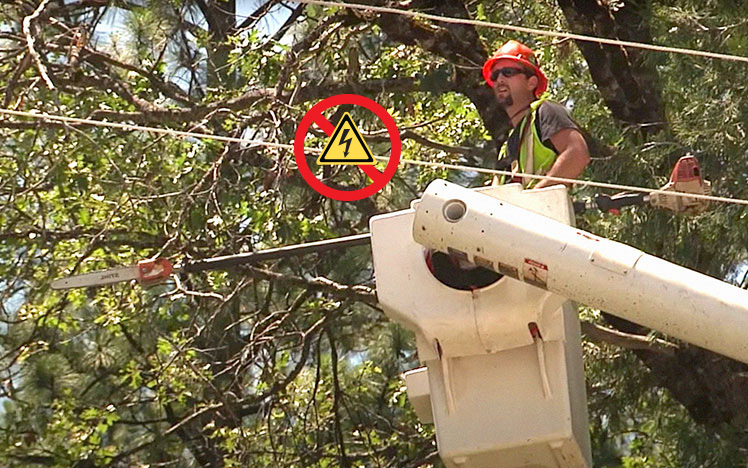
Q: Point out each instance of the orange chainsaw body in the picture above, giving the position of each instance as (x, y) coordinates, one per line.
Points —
(686, 178)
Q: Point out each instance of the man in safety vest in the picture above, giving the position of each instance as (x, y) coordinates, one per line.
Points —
(544, 140)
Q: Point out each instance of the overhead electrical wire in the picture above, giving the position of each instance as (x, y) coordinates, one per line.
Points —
(183, 134)
(589, 183)
(123, 126)
(522, 29)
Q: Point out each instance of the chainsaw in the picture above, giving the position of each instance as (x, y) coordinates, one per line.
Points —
(686, 178)
(157, 270)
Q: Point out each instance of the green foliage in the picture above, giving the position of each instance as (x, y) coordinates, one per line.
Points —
(246, 368)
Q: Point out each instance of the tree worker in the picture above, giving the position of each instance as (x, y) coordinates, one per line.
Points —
(544, 139)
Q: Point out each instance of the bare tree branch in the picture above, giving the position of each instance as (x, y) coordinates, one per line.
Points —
(600, 334)
(31, 40)
(357, 293)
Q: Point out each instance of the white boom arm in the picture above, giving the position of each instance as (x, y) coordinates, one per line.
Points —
(598, 272)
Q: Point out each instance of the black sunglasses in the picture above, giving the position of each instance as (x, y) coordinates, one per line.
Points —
(509, 72)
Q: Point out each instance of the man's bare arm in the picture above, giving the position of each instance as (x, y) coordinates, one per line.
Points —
(573, 156)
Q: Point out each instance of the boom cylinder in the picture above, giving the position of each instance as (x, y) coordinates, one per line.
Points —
(588, 269)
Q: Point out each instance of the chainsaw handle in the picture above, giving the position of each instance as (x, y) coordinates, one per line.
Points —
(618, 201)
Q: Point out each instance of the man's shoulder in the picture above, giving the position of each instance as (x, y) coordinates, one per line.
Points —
(552, 107)
(553, 117)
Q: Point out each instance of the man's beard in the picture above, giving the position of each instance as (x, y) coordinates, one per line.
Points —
(505, 102)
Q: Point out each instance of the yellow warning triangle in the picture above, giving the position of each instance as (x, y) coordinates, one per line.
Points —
(346, 145)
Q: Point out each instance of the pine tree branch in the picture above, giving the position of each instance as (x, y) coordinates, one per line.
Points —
(311, 92)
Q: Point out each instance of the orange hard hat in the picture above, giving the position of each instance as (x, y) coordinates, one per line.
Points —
(521, 54)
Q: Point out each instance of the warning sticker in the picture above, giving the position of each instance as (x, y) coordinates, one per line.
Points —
(346, 146)
(508, 270)
(483, 262)
(535, 273)
(458, 254)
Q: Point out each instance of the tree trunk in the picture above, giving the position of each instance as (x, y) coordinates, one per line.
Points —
(627, 81)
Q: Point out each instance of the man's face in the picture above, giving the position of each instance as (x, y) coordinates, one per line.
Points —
(509, 89)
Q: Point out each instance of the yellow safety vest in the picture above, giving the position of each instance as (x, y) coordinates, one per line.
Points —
(534, 156)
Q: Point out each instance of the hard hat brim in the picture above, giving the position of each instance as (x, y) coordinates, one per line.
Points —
(542, 79)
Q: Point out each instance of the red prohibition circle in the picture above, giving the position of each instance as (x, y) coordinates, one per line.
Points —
(314, 115)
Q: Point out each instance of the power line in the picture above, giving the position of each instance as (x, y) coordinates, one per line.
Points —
(522, 29)
(178, 133)
(123, 126)
(590, 183)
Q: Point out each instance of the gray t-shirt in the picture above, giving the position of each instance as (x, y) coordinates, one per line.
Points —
(552, 117)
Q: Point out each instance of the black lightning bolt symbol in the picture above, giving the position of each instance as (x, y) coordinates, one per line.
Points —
(347, 142)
